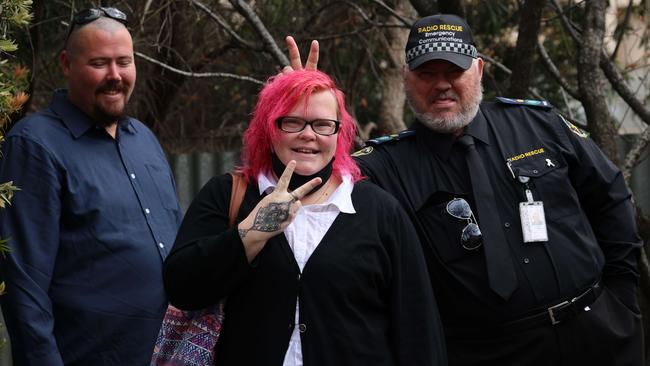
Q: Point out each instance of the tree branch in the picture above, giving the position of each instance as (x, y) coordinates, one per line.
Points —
(361, 13)
(621, 29)
(505, 69)
(259, 27)
(425, 7)
(524, 60)
(568, 26)
(609, 69)
(147, 5)
(633, 156)
(615, 78)
(550, 67)
(199, 74)
(591, 81)
(223, 24)
(404, 21)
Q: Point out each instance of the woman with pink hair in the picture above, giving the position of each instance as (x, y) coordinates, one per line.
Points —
(321, 268)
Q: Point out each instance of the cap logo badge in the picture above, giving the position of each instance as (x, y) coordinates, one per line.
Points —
(440, 37)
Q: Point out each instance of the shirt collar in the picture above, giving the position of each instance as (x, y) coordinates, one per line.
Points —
(479, 128)
(341, 197)
(78, 122)
(441, 143)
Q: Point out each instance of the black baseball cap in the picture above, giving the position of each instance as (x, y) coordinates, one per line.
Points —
(440, 37)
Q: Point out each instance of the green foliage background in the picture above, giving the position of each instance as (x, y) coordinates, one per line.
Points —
(14, 81)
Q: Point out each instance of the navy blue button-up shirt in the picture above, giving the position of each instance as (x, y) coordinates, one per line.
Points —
(89, 229)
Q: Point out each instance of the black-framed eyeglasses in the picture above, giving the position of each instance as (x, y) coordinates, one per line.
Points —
(89, 15)
(471, 237)
(324, 127)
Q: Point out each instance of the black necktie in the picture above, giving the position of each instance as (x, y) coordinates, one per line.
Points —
(501, 270)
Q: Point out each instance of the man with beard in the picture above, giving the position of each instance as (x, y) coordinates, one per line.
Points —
(528, 228)
(95, 216)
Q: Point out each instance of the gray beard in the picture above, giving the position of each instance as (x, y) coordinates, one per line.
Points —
(450, 124)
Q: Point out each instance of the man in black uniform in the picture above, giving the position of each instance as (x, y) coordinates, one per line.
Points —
(527, 227)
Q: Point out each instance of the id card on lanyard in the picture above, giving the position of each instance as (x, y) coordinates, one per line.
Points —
(533, 220)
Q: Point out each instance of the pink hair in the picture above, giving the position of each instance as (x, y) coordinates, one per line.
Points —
(277, 98)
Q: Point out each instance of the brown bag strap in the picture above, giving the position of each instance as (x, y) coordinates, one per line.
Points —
(236, 197)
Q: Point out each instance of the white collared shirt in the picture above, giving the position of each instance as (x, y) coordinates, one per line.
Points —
(304, 234)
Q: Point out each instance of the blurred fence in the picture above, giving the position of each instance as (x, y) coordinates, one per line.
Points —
(192, 171)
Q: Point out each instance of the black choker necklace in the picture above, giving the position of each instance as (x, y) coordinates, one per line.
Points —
(297, 179)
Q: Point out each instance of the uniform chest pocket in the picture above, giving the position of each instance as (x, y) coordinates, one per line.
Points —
(550, 183)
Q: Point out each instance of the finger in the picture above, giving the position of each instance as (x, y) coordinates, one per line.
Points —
(294, 210)
(283, 182)
(294, 54)
(312, 59)
(287, 69)
(294, 198)
(304, 189)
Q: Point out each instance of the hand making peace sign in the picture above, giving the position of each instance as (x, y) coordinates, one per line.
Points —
(295, 63)
(273, 213)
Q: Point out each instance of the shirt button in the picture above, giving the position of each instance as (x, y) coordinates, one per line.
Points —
(161, 245)
(506, 224)
(146, 210)
(132, 176)
(302, 328)
(535, 171)
(526, 260)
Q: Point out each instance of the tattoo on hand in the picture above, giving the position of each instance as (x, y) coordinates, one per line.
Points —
(242, 232)
(269, 218)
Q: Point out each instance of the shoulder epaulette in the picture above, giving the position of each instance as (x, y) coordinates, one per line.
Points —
(527, 102)
(393, 137)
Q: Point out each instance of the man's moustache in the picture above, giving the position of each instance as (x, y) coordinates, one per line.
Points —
(445, 95)
(112, 87)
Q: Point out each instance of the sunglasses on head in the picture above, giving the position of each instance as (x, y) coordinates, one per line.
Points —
(89, 15)
(471, 237)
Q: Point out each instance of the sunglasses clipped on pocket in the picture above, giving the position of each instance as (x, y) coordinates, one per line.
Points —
(471, 237)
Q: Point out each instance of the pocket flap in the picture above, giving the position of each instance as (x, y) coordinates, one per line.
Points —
(536, 166)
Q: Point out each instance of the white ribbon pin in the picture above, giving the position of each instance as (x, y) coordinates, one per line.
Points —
(549, 162)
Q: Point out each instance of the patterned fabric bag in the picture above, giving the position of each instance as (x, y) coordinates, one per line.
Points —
(188, 338)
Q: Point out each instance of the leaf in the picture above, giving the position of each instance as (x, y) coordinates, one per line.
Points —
(7, 45)
(4, 247)
(7, 191)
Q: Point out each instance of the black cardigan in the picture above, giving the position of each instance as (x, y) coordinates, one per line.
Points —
(365, 296)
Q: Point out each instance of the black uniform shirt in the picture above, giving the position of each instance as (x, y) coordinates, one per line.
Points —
(589, 218)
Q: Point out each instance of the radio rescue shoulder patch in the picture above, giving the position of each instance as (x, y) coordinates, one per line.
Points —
(365, 151)
(575, 129)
